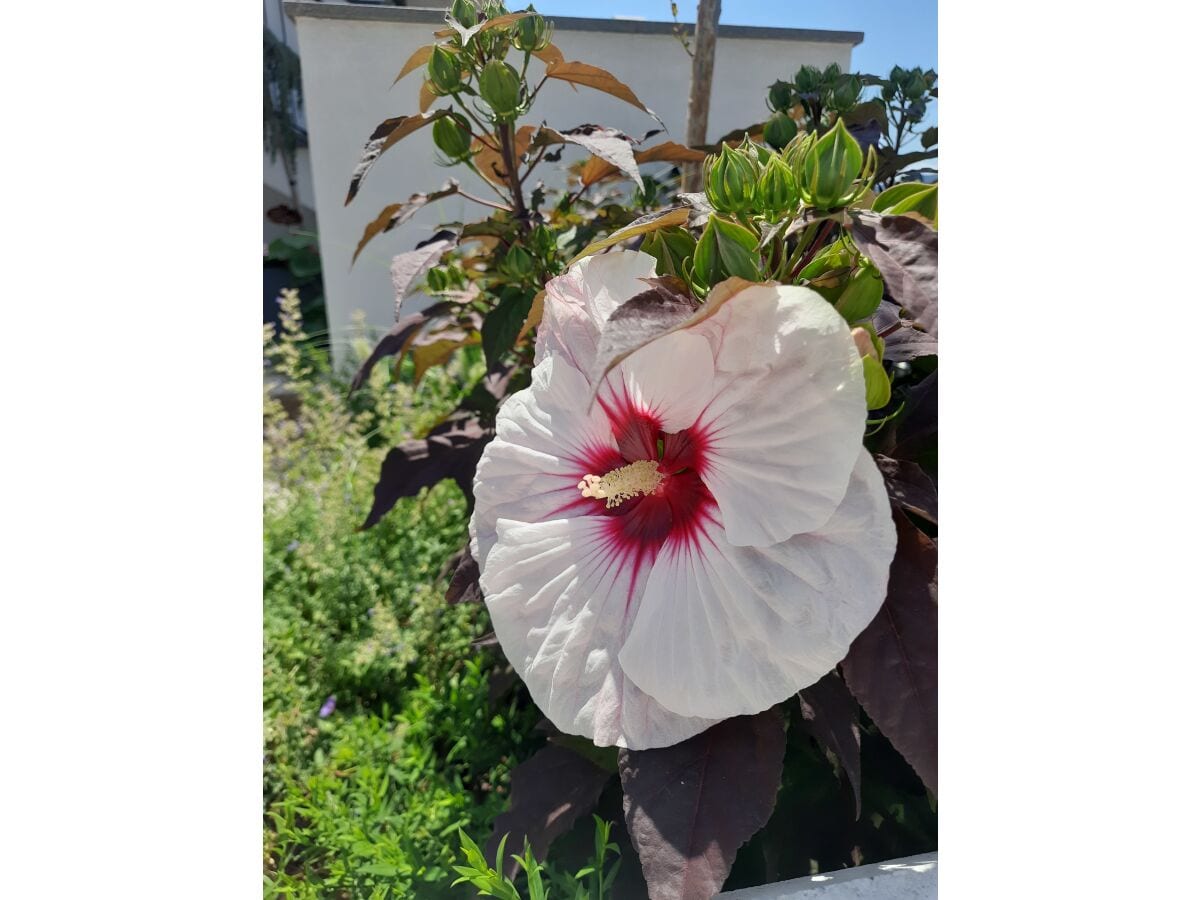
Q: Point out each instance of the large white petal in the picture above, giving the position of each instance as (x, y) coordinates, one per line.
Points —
(578, 303)
(725, 630)
(562, 600)
(531, 469)
(671, 380)
(788, 415)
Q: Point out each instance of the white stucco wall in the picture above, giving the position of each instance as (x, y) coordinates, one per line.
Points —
(349, 64)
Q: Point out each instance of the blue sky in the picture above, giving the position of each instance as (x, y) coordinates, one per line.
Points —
(898, 32)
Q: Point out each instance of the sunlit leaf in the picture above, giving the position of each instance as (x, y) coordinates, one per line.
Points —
(550, 55)
(437, 351)
(659, 309)
(410, 267)
(596, 78)
(534, 319)
(419, 58)
(677, 215)
(909, 487)
(610, 145)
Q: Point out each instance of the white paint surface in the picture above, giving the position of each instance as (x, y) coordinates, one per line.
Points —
(348, 68)
(910, 878)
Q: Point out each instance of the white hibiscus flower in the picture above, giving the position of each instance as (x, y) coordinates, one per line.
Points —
(705, 539)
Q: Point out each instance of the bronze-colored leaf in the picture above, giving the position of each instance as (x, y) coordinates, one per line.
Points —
(690, 807)
(397, 340)
(386, 135)
(550, 55)
(638, 321)
(892, 666)
(464, 583)
(597, 79)
(395, 214)
(425, 97)
(534, 319)
(491, 163)
(419, 58)
(596, 169)
(437, 351)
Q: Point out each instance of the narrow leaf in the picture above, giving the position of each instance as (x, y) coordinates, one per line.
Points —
(410, 267)
(677, 215)
(548, 792)
(906, 254)
(396, 214)
(534, 319)
(550, 55)
(453, 452)
(668, 151)
(909, 487)
(419, 58)
(597, 79)
(830, 714)
(425, 97)
(691, 806)
(387, 135)
(437, 351)
(892, 666)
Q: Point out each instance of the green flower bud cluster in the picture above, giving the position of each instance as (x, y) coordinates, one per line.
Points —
(731, 178)
(464, 12)
(725, 249)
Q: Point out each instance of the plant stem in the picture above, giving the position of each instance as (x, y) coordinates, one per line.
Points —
(485, 202)
(509, 155)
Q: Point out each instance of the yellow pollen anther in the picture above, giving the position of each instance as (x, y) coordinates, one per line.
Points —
(640, 477)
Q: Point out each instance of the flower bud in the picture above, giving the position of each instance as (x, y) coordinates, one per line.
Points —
(795, 151)
(845, 93)
(445, 72)
(776, 193)
(729, 180)
(780, 129)
(452, 135)
(532, 34)
(779, 97)
(436, 280)
(464, 12)
(500, 87)
(860, 298)
(831, 169)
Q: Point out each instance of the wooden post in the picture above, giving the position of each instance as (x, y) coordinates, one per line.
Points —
(708, 13)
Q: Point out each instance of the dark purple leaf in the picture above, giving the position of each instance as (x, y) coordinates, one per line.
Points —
(691, 806)
(397, 339)
(548, 792)
(905, 252)
(386, 135)
(395, 214)
(610, 145)
(464, 583)
(830, 715)
(909, 487)
(892, 666)
(451, 451)
(409, 268)
(916, 429)
(639, 320)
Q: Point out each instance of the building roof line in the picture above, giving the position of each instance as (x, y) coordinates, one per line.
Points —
(307, 9)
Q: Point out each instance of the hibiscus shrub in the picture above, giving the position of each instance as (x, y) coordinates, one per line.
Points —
(702, 475)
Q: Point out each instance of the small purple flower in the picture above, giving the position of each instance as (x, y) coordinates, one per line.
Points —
(293, 546)
(328, 707)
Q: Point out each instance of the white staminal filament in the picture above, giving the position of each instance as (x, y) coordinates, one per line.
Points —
(640, 477)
